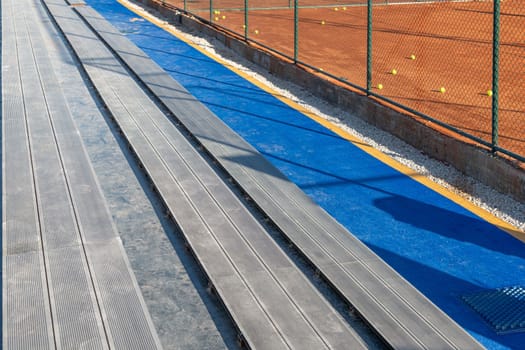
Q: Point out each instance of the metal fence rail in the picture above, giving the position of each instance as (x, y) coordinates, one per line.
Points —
(459, 64)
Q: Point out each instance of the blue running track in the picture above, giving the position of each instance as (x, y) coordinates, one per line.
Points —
(440, 247)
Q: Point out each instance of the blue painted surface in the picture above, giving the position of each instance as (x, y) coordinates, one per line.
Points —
(440, 247)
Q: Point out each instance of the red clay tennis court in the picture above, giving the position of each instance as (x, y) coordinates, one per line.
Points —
(430, 45)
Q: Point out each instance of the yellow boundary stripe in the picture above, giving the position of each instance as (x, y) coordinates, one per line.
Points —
(482, 213)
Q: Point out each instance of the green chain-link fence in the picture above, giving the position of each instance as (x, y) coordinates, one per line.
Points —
(460, 64)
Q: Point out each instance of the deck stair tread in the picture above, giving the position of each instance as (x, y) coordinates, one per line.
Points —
(66, 280)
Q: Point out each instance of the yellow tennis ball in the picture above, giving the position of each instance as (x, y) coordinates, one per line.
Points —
(489, 93)
(216, 18)
(323, 22)
(412, 57)
(256, 31)
(442, 90)
(223, 17)
(394, 71)
(380, 86)
(344, 8)
(336, 9)
(244, 26)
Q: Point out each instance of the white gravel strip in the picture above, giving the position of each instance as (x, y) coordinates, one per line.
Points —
(500, 205)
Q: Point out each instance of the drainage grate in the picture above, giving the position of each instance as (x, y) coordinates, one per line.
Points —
(503, 308)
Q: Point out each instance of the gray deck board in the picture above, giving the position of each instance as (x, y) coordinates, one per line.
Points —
(128, 323)
(230, 244)
(20, 224)
(24, 296)
(57, 221)
(322, 240)
(26, 303)
(94, 298)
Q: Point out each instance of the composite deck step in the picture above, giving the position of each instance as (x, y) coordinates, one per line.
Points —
(398, 312)
(24, 290)
(67, 282)
(269, 298)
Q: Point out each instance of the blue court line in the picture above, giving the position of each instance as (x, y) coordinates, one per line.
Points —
(440, 247)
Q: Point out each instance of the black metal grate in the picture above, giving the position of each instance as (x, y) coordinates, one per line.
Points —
(503, 308)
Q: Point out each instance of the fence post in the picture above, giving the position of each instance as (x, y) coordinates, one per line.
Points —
(245, 19)
(185, 7)
(295, 30)
(495, 75)
(369, 48)
(211, 11)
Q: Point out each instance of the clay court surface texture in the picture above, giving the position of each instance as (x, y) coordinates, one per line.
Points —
(441, 247)
(450, 41)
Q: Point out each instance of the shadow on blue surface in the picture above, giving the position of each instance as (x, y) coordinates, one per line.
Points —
(449, 224)
(238, 94)
(340, 180)
(419, 214)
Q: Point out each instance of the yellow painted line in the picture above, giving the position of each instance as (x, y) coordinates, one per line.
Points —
(342, 133)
